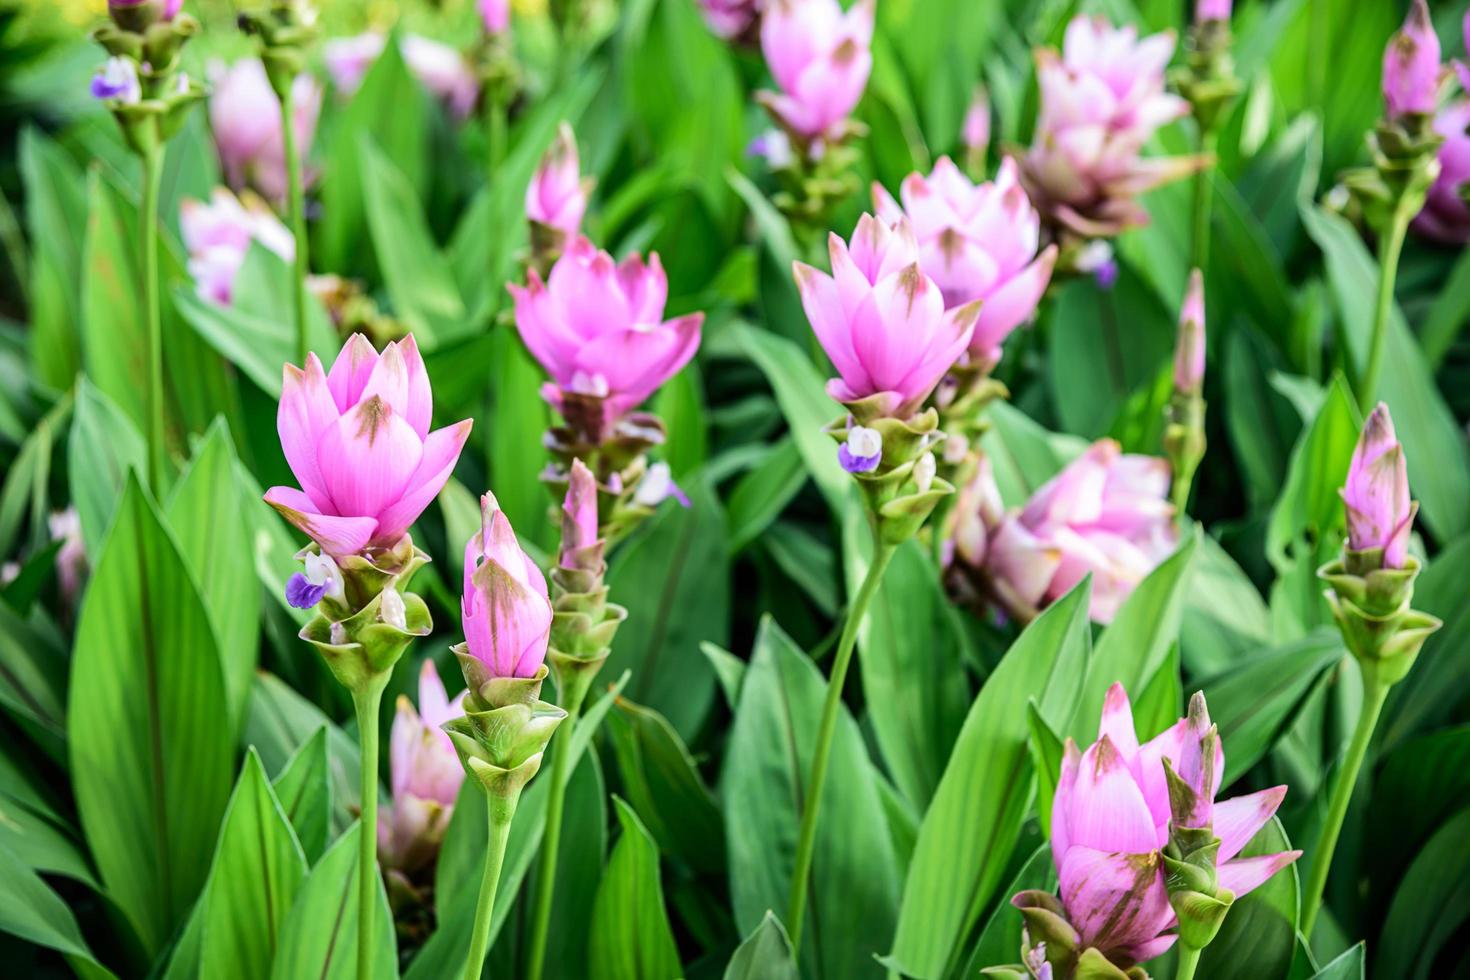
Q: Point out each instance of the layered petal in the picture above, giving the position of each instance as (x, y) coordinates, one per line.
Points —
(337, 536)
(1244, 875)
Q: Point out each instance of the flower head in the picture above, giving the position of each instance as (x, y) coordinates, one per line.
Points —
(426, 775)
(579, 528)
(821, 58)
(358, 441)
(977, 242)
(1208, 10)
(1411, 65)
(495, 15)
(1445, 216)
(881, 319)
(1189, 350)
(245, 117)
(557, 194)
(505, 609)
(117, 79)
(218, 236)
(597, 327)
(1379, 511)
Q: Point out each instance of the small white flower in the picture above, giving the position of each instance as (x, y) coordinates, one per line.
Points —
(924, 472)
(864, 442)
(392, 610)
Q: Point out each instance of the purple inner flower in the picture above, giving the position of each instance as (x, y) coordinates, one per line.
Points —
(302, 594)
(1106, 274)
(857, 464)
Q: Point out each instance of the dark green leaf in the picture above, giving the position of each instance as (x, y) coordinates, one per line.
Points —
(630, 937)
(764, 955)
(319, 937)
(304, 790)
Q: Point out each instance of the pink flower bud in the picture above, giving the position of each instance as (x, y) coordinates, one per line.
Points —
(246, 119)
(597, 326)
(444, 71)
(976, 128)
(1445, 216)
(977, 242)
(579, 515)
(730, 19)
(426, 775)
(1208, 10)
(495, 15)
(557, 194)
(1189, 350)
(1379, 511)
(358, 442)
(1110, 818)
(505, 609)
(881, 319)
(821, 58)
(218, 236)
(137, 15)
(1411, 65)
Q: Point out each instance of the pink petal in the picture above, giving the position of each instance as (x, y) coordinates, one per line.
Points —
(337, 535)
(351, 370)
(1244, 875)
(823, 306)
(440, 452)
(306, 410)
(419, 409)
(1010, 305)
(1117, 722)
(1108, 811)
(367, 458)
(1061, 804)
(1114, 899)
(1237, 820)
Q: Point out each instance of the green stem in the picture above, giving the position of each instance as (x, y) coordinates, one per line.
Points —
(1374, 693)
(1188, 960)
(495, 126)
(366, 702)
(498, 819)
(1180, 491)
(296, 203)
(806, 843)
(1203, 200)
(148, 227)
(1389, 246)
(551, 838)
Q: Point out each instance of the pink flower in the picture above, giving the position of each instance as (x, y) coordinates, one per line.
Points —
(881, 319)
(975, 131)
(821, 58)
(246, 119)
(426, 775)
(1379, 511)
(1207, 10)
(1411, 65)
(1445, 216)
(977, 242)
(557, 194)
(729, 19)
(1189, 350)
(1107, 513)
(1110, 819)
(1101, 101)
(579, 529)
(597, 327)
(495, 15)
(358, 441)
(438, 67)
(505, 609)
(218, 236)
(349, 58)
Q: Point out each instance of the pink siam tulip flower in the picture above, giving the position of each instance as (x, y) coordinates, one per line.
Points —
(977, 242)
(597, 327)
(218, 236)
(71, 558)
(358, 441)
(1110, 820)
(731, 19)
(975, 131)
(426, 775)
(1102, 99)
(246, 119)
(438, 67)
(881, 320)
(1207, 10)
(1379, 511)
(1445, 216)
(1411, 65)
(495, 15)
(505, 608)
(1189, 351)
(1107, 514)
(579, 528)
(821, 58)
(557, 194)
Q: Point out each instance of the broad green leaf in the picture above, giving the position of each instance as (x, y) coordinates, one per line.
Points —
(518, 422)
(854, 885)
(33, 680)
(1351, 965)
(1419, 787)
(680, 404)
(304, 789)
(764, 491)
(1309, 505)
(729, 669)
(56, 205)
(1429, 906)
(765, 954)
(1258, 937)
(24, 497)
(1432, 691)
(974, 821)
(1225, 618)
(31, 910)
(1160, 702)
(319, 935)
(280, 722)
(630, 937)
(1448, 314)
(257, 873)
(150, 748)
(41, 844)
(1000, 940)
(1260, 424)
(103, 447)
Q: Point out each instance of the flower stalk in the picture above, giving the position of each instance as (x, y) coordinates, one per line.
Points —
(366, 702)
(148, 226)
(500, 813)
(296, 196)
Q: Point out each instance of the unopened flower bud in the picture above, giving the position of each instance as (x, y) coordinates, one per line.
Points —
(1189, 351)
(1411, 65)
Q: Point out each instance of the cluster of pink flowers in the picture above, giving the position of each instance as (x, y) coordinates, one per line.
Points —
(246, 119)
(218, 234)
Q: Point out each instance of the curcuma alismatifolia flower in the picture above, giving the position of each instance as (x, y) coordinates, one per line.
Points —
(117, 79)
(1111, 824)
(1207, 10)
(1102, 99)
(358, 442)
(556, 199)
(218, 234)
(821, 57)
(1445, 216)
(426, 776)
(977, 242)
(441, 69)
(505, 609)
(1411, 69)
(245, 116)
(494, 15)
(1376, 495)
(1189, 349)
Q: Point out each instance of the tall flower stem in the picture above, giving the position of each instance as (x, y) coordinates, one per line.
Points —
(1188, 960)
(366, 702)
(806, 843)
(296, 204)
(551, 837)
(1374, 693)
(1390, 244)
(1203, 200)
(500, 810)
(148, 228)
(495, 128)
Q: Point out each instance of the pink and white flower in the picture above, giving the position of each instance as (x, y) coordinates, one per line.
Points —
(245, 117)
(217, 235)
(426, 775)
(821, 57)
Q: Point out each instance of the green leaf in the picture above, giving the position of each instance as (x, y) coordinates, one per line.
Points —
(56, 205)
(1432, 691)
(26, 482)
(1350, 965)
(1309, 505)
(630, 937)
(319, 935)
(517, 424)
(673, 576)
(1258, 937)
(280, 722)
(1137, 643)
(1161, 701)
(763, 492)
(854, 875)
(103, 447)
(150, 746)
(33, 680)
(1225, 618)
(304, 789)
(257, 872)
(1429, 906)
(204, 512)
(31, 910)
(1000, 940)
(729, 669)
(680, 404)
(765, 954)
(41, 844)
(974, 821)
